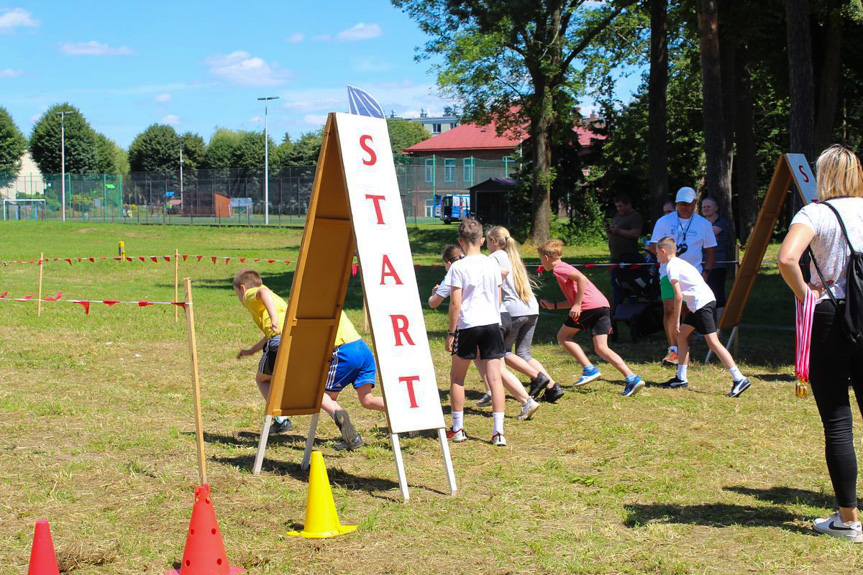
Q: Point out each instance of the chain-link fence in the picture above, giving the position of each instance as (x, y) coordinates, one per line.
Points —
(224, 196)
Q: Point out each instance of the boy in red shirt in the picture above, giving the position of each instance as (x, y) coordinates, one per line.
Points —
(589, 310)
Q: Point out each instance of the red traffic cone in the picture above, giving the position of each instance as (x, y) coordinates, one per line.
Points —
(43, 560)
(205, 551)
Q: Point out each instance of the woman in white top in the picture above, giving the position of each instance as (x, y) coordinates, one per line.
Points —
(833, 360)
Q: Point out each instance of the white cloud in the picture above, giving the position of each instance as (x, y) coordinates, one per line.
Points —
(246, 70)
(162, 98)
(10, 19)
(296, 38)
(171, 120)
(359, 32)
(315, 119)
(256, 120)
(10, 73)
(94, 48)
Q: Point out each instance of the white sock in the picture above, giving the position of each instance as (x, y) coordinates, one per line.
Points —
(457, 420)
(735, 373)
(681, 372)
(280, 419)
(498, 422)
(672, 348)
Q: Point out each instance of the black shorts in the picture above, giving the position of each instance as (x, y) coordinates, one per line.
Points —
(597, 321)
(268, 356)
(505, 324)
(485, 338)
(703, 319)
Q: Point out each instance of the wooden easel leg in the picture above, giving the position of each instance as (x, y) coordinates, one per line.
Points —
(400, 467)
(447, 461)
(262, 444)
(735, 337)
(310, 441)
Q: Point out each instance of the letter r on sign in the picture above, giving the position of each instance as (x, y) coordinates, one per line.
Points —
(400, 328)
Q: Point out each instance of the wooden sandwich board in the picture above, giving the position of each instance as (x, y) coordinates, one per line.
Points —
(356, 205)
(790, 169)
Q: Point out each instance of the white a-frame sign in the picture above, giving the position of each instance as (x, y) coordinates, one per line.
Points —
(356, 187)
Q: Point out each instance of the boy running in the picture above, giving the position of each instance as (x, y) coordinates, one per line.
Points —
(588, 311)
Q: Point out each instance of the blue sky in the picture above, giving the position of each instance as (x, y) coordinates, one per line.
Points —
(198, 65)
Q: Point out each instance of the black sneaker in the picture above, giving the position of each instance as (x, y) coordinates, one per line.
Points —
(537, 384)
(355, 444)
(738, 387)
(276, 427)
(676, 383)
(343, 422)
(553, 394)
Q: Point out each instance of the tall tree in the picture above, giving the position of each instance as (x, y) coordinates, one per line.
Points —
(512, 62)
(194, 150)
(110, 158)
(80, 141)
(657, 115)
(12, 147)
(404, 134)
(156, 150)
(220, 149)
(801, 78)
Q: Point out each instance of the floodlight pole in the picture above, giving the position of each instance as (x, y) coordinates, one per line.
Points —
(181, 172)
(63, 158)
(267, 162)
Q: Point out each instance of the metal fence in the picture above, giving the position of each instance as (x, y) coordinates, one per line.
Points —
(228, 196)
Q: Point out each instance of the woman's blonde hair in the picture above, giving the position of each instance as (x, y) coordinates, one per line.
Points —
(501, 237)
(838, 174)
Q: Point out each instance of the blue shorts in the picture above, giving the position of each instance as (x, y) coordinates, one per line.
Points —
(352, 363)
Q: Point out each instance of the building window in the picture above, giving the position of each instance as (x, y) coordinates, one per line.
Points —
(507, 160)
(436, 129)
(429, 208)
(429, 169)
(451, 125)
(467, 169)
(449, 170)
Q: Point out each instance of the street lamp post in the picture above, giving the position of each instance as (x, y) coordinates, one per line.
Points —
(267, 162)
(63, 159)
(181, 173)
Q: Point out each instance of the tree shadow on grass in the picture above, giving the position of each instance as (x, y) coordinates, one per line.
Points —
(714, 515)
(781, 495)
(776, 377)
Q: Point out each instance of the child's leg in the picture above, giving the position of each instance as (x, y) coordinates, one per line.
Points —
(498, 399)
(518, 364)
(512, 384)
(329, 403)
(481, 369)
(263, 381)
(683, 351)
(668, 322)
(564, 338)
(456, 389)
(724, 355)
(369, 401)
(600, 346)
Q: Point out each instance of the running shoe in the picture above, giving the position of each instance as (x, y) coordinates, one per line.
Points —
(343, 422)
(498, 440)
(632, 386)
(676, 383)
(670, 359)
(279, 426)
(355, 444)
(738, 387)
(484, 401)
(835, 527)
(537, 384)
(588, 374)
(553, 394)
(528, 409)
(457, 436)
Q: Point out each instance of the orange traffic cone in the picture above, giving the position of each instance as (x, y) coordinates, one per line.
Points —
(205, 551)
(322, 519)
(43, 560)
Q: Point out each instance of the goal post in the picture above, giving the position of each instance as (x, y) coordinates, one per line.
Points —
(24, 209)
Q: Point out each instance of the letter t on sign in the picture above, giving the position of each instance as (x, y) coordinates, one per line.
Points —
(377, 201)
(410, 380)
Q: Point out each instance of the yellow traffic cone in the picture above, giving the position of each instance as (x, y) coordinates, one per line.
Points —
(322, 520)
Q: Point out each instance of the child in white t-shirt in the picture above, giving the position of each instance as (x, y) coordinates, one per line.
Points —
(690, 287)
(474, 328)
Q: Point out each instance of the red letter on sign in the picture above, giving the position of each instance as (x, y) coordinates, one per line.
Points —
(373, 158)
(410, 380)
(400, 328)
(377, 200)
(802, 171)
(387, 269)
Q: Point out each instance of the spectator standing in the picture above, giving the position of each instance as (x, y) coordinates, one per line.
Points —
(716, 277)
(623, 233)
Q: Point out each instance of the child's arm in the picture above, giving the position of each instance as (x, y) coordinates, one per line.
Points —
(454, 314)
(265, 295)
(254, 349)
(435, 300)
(579, 279)
(678, 304)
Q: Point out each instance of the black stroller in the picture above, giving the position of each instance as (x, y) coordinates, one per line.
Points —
(639, 305)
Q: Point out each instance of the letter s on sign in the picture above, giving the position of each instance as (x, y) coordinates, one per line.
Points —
(365, 139)
(803, 173)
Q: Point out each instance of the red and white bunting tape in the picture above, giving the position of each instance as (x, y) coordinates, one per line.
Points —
(154, 259)
(86, 302)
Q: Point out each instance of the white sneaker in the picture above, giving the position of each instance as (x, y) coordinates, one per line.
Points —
(457, 436)
(484, 401)
(835, 527)
(528, 409)
(498, 440)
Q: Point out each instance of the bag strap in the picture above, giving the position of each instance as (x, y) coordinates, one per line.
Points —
(820, 275)
(842, 226)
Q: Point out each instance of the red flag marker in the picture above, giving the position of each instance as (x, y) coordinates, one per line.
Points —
(181, 304)
(144, 303)
(539, 270)
(86, 305)
(92, 259)
(242, 260)
(227, 260)
(154, 259)
(200, 258)
(214, 258)
(167, 258)
(270, 261)
(110, 302)
(257, 259)
(55, 298)
(69, 260)
(142, 258)
(3, 295)
(354, 268)
(185, 256)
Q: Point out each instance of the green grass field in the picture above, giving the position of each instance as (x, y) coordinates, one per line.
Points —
(97, 436)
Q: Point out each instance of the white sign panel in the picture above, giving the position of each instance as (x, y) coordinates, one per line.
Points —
(802, 174)
(395, 311)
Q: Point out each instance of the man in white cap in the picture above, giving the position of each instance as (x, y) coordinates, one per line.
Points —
(693, 234)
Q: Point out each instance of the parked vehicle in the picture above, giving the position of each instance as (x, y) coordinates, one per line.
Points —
(452, 207)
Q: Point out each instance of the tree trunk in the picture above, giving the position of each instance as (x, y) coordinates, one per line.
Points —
(800, 78)
(541, 177)
(746, 163)
(831, 78)
(657, 114)
(715, 148)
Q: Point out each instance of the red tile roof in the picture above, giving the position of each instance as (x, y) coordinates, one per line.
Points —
(474, 137)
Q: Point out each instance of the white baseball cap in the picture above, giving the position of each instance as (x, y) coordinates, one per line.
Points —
(686, 195)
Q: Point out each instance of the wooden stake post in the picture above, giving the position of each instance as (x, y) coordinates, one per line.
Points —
(39, 292)
(356, 195)
(176, 283)
(196, 384)
(791, 168)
